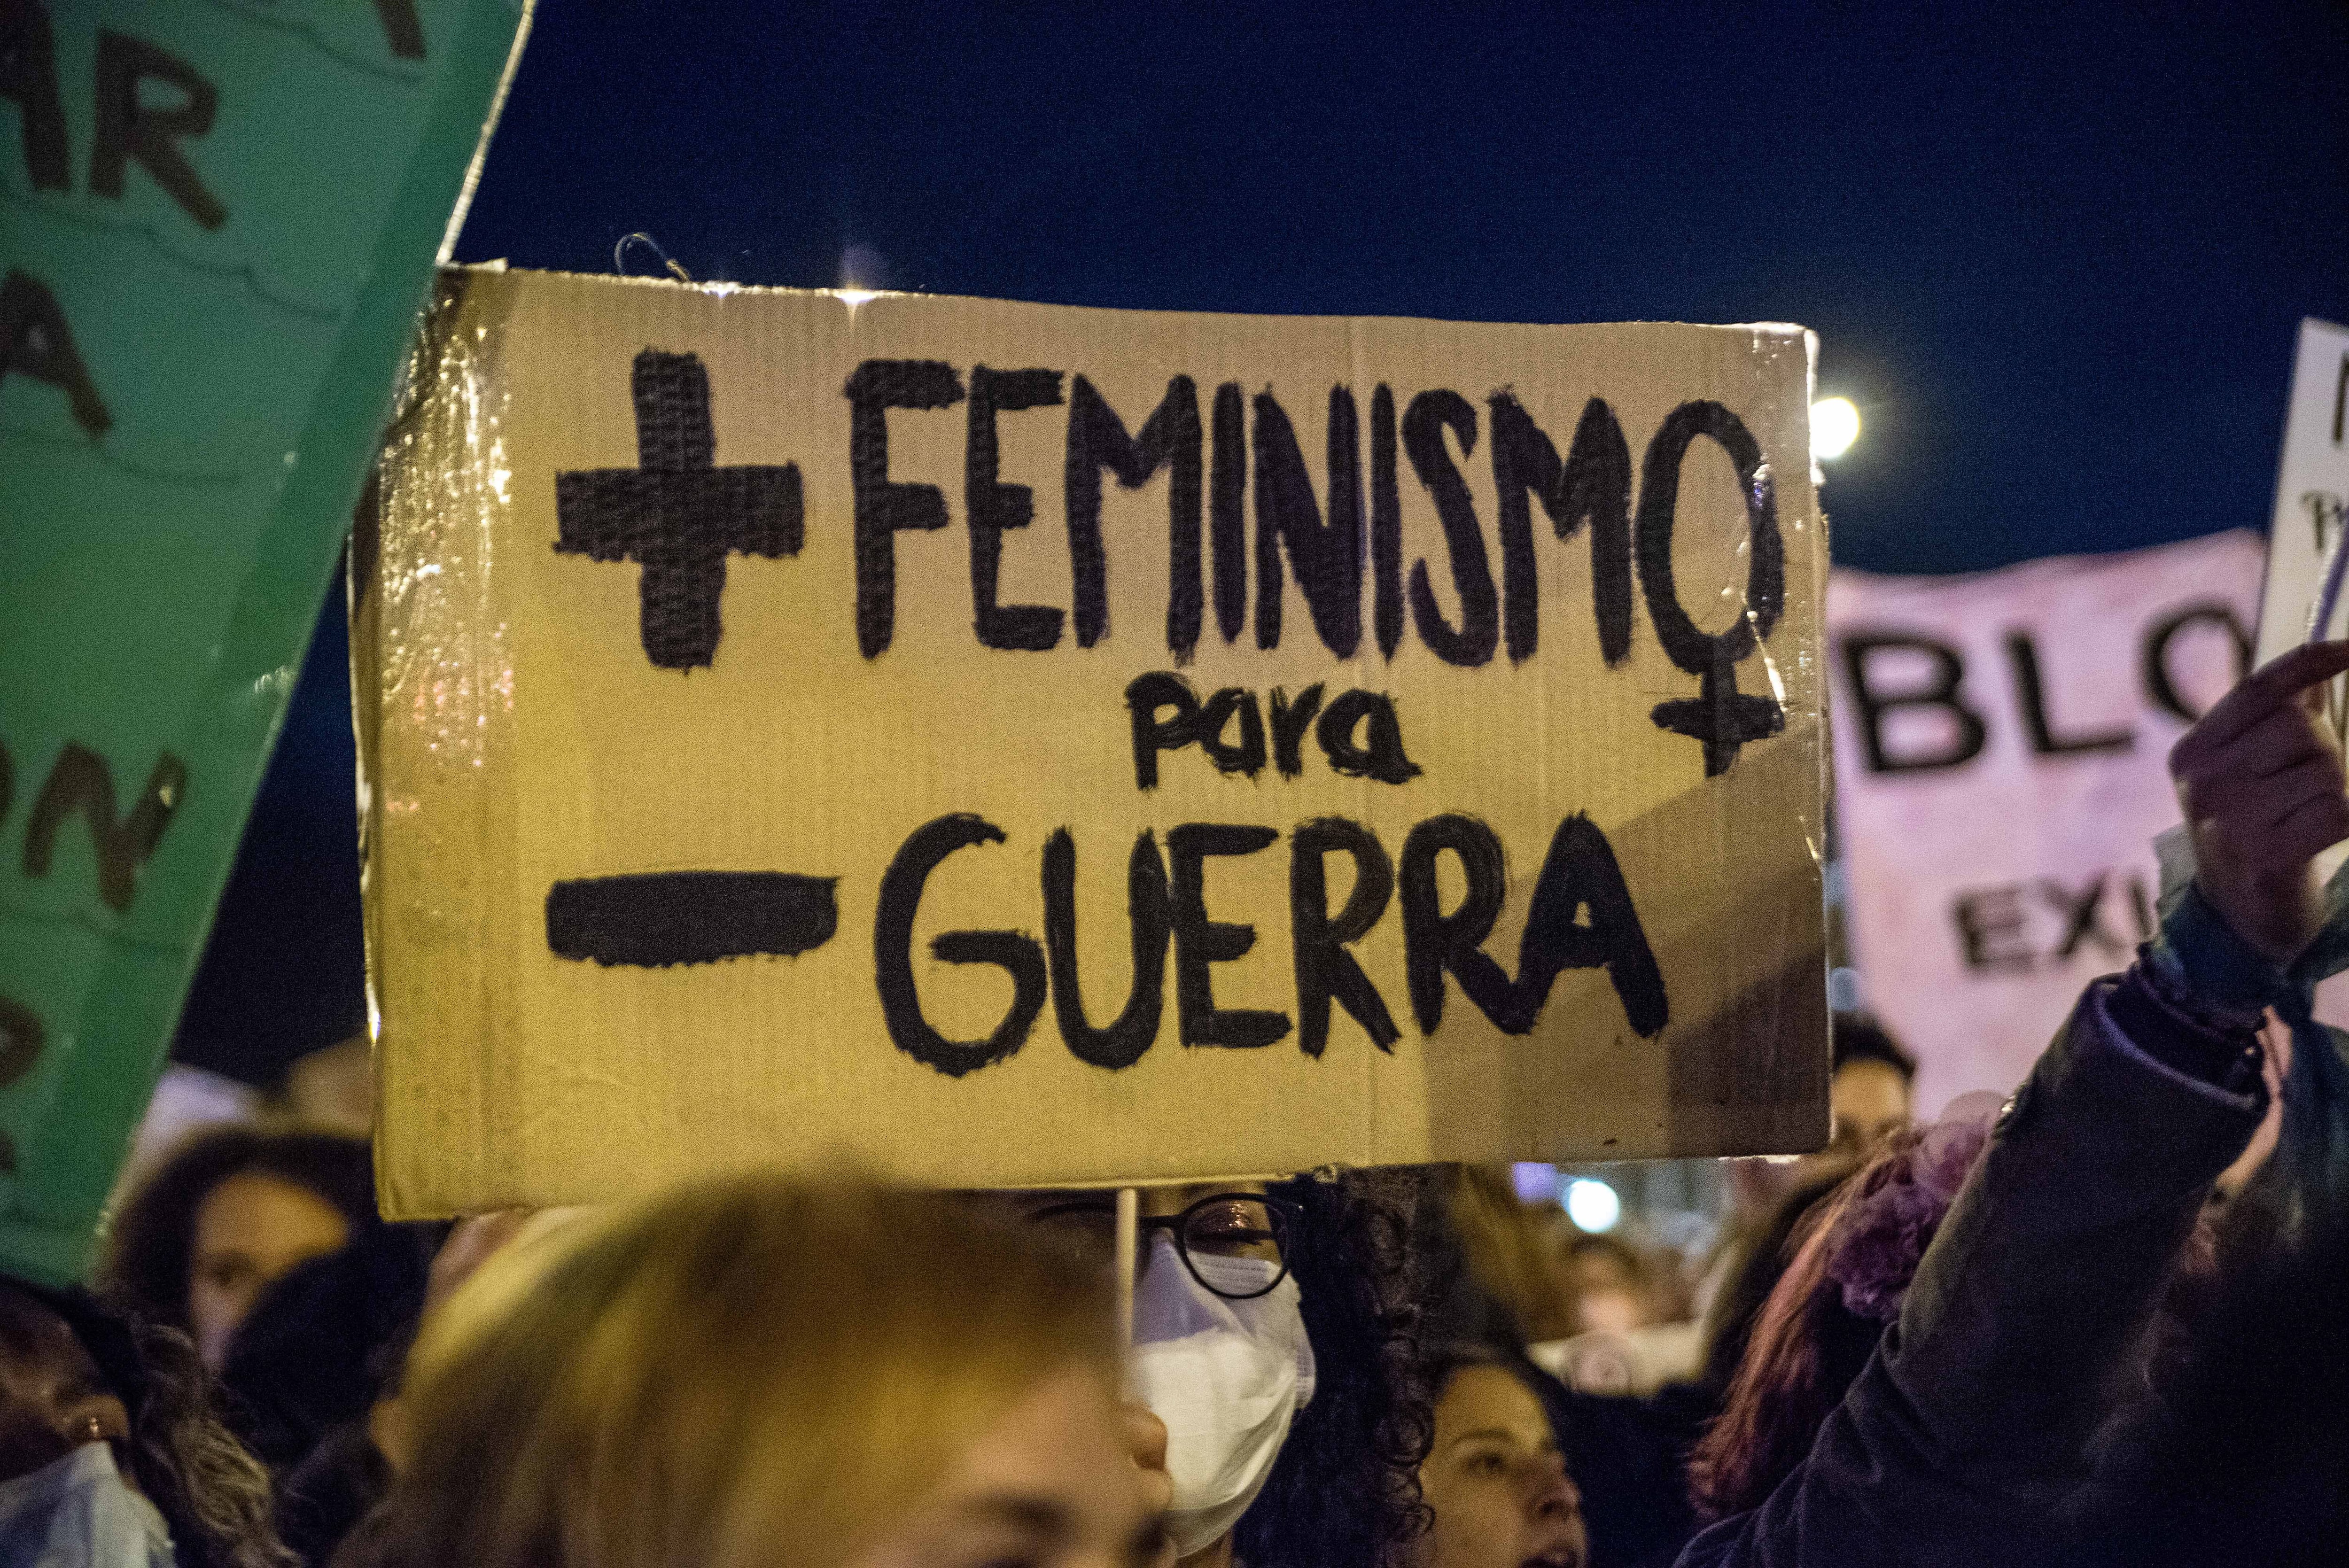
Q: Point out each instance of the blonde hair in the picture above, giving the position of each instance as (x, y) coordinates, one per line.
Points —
(1510, 1251)
(748, 1372)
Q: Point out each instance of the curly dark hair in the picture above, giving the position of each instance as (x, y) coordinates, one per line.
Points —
(1344, 1492)
(147, 1253)
(213, 1495)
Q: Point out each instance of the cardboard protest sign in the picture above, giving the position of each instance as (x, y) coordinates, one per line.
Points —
(1006, 744)
(2000, 777)
(2311, 489)
(219, 222)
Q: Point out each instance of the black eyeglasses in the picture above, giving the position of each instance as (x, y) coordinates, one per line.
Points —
(1218, 1227)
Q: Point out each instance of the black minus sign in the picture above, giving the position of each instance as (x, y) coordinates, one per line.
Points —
(656, 919)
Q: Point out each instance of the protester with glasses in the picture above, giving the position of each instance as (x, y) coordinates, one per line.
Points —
(1272, 1337)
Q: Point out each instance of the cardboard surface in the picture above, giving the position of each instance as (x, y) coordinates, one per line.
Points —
(713, 807)
(2311, 489)
(2312, 494)
(1999, 745)
(216, 225)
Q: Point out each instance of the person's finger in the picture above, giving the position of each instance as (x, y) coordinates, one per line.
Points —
(2263, 798)
(2296, 669)
(2275, 1051)
(470, 1243)
(1145, 1439)
(1145, 1435)
(2274, 744)
(2309, 830)
(2271, 687)
(2242, 777)
(2295, 787)
(2289, 738)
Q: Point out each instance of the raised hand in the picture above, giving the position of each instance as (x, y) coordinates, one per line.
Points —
(2261, 781)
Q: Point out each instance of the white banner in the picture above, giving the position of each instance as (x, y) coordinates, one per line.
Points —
(2000, 748)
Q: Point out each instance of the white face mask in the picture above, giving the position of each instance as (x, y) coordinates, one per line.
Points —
(1227, 1377)
(77, 1513)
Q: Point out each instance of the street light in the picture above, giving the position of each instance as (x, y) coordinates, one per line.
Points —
(1592, 1205)
(1835, 425)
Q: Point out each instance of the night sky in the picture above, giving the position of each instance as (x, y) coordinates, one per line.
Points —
(2056, 254)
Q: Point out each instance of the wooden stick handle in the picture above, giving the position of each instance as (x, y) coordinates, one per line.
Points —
(1129, 1261)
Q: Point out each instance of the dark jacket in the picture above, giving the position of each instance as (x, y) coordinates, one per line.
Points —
(1964, 1440)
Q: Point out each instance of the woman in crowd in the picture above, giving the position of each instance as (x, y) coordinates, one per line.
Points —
(1494, 1480)
(1272, 1335)
(312, 1353)
(1868, 1099)
(1344, 1491)
(231, 1212)
(1487, 1271)
(349, 1469)
(1757, 1261)
(110, 1453)
(1851, 1270)
(1869, 1092)
(1507, 1257)
(758, 1371)
(1981, 1428)
(1614, 1289)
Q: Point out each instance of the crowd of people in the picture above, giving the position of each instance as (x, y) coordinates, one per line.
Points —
(2097, 1321)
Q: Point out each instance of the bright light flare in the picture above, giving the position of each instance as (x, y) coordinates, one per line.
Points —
(1835, 425)
(1592, 1205)
(855, 297)
(1535, 1183)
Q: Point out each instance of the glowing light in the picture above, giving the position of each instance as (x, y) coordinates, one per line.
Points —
(1592, 1205)
(855, 297)
(1535, 1183)
(1835, 425)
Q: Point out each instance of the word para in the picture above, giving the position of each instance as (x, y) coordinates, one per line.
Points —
(1370, 715)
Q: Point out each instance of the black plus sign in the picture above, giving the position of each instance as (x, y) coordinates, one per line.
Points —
(676, 513)
(1721, 716)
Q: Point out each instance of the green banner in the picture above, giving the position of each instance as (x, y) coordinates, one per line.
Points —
(218, 218)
